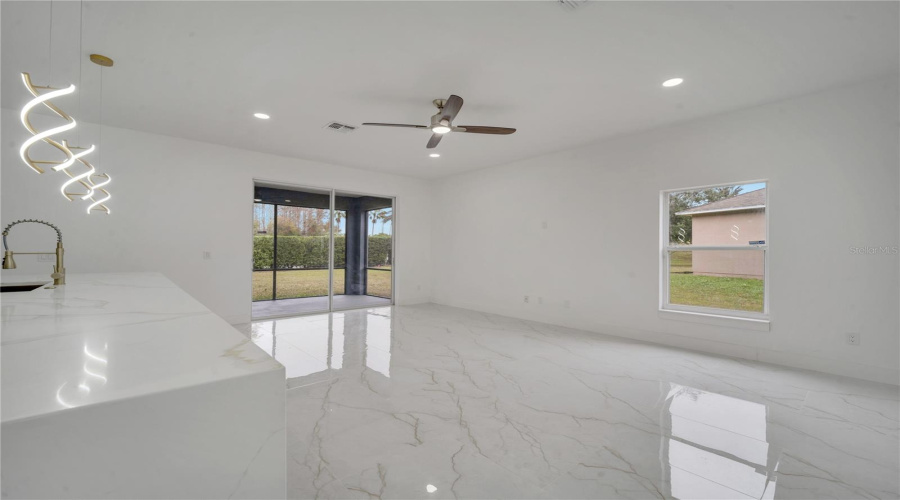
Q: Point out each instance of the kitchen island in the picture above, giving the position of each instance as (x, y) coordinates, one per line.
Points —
(122, 385)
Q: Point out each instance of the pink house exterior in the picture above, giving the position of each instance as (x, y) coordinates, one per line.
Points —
(739, 220)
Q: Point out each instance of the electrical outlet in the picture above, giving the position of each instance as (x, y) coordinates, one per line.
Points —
(207, 255)
(526, 299)
(853, 339)
(544, 224)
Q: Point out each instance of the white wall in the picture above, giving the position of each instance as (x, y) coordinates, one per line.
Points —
(173, 199)
(831, 160)
(833, 169)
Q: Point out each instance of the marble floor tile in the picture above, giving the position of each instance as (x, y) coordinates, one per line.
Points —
(286, 307)
(430, 401)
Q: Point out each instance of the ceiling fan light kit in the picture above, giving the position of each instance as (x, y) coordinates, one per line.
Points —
(442, 122)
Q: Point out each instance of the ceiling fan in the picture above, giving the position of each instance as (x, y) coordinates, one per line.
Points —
(442, 122)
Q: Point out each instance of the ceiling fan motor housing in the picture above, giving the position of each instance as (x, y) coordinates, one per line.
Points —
(436, 121)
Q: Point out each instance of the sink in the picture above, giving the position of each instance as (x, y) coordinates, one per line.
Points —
(20, 287)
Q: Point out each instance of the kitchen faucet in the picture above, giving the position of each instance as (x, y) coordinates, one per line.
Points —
(59, 271)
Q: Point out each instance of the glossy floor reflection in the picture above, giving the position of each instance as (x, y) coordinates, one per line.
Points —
(265, 309)
(436, 402)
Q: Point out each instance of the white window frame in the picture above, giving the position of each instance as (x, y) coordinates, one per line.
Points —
(712, 315)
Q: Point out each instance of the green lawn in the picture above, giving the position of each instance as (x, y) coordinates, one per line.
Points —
(313, 283)
(742, 294)
(379, 282)
(686, 288)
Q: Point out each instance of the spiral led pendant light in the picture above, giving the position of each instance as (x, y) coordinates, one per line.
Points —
(86, 178)
(82, 178)
(98, 194)
(92, 182)
(104, 195)
(46, 136)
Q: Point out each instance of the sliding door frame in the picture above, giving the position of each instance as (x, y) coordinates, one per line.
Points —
(275, 252)
(331, 253)
(332, 195)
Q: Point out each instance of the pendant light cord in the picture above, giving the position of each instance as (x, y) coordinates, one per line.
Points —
(80, 61)
(100, 122)
(50, 48)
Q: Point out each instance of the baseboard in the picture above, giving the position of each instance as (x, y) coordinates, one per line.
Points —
(237, 319)
(842, 368)
(834, 367)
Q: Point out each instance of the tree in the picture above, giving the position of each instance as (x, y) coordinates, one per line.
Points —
(385, 216)
(290, 221)
(373, 217)
(339, 215)
(302, 221)
(263, 216)
(680, 225)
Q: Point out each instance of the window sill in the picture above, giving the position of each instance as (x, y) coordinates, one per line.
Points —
(759, 325)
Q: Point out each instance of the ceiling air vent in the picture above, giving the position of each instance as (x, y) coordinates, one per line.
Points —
(340, 127)
(571, 4)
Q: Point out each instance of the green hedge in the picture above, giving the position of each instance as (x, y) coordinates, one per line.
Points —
(311, 252)
(380, 250)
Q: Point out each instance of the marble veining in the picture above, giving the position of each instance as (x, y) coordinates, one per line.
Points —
(436, 402)
(124, 386)
(105, 337)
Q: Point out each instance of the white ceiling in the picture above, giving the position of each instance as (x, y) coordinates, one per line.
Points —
(563, 77)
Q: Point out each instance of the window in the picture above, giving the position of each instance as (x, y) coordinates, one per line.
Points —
(714, 250)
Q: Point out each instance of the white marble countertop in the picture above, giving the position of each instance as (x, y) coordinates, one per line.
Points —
(106, 337)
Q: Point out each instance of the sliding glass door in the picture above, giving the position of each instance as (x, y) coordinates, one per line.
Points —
(301, 252)
(263, 252)
(317, 250)
(340, 252)
(367, 247)
(379, 252)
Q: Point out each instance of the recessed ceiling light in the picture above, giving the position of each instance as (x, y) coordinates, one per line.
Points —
(434, 155)
(671, 82)
(261, 116)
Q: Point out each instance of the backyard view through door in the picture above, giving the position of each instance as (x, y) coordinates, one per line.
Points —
(291, 245)
(378, 265)
(367, 228)
(301, 249)
(293, 234)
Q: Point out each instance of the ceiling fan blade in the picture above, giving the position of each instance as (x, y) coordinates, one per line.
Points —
(394, 125)
(433, 142)
(452, 107)
(478, 129)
